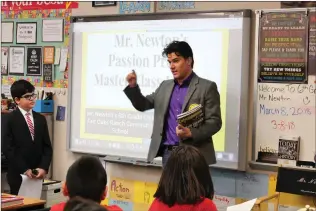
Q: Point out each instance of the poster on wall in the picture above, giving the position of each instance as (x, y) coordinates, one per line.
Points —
(48, 72)
(26, 33)
(7, 29)
(103, 3)
(48, 55)
(38, 5)
(129, 7)
(312, 44)
(34, 61)
(53, 30)
(283, 47)
(4, 60)
(57, 56)
(63, 59)
(16, 60)
(174, 5)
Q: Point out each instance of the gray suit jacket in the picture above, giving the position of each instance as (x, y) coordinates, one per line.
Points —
(201, 91)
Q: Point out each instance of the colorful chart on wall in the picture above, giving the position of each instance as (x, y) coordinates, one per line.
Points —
(36, 13)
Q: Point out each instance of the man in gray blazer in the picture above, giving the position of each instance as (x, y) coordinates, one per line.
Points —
(175, 96)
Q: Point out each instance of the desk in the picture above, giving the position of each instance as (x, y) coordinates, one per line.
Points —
(27, 203)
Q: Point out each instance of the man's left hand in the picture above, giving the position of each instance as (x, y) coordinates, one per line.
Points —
(183, 132)
(41, 173)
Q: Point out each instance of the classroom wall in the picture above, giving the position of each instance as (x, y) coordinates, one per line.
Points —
(85, 8)
(60, 76)
(63, 158)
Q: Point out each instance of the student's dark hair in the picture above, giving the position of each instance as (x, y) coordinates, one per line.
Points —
(86, 178)
(186, 178)
(80, 204)
(20, 88)
(180, 48)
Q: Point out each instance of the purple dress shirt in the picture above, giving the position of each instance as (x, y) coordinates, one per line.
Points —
(175, 106)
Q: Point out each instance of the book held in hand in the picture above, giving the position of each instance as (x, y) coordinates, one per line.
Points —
(192, 118)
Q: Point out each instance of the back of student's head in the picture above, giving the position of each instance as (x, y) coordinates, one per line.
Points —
(80, 204)
(86, 178)
(20, 88)
(186, 178)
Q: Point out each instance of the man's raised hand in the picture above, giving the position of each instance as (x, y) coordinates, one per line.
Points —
(131, 78)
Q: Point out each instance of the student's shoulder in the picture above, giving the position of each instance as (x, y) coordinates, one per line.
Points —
(12, 115)
(209, 204)
(58, 207)
(113, 208)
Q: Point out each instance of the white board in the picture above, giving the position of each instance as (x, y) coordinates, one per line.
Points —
(108, 123)
(286, 109)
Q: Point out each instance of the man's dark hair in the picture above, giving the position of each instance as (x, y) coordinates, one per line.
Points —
(86, 178)
(186, 178)
(20, 88)
(180, 48)
(80, 204)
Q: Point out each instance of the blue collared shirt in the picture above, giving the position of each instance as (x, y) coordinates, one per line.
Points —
(175, 106)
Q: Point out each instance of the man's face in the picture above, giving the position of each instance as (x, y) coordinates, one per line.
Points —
(180, 67)
(27, 101)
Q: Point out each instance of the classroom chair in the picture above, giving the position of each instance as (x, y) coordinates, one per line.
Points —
(265, 199)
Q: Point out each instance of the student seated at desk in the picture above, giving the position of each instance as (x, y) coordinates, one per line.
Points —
(86, 178)
(185, 183)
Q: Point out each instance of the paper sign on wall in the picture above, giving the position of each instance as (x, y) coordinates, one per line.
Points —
(63, 59)
(7, 29)
(145, 192)
(53, 30)
(34, 61)
(49, 55)
(16, 60)
(26, 33)
(4, 60)
(57, 56)
(48, 72)
(128, 7)
(37, 5)
(222, 202)
(121, 189)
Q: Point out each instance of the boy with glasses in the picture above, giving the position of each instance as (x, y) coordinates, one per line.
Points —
(26, 139)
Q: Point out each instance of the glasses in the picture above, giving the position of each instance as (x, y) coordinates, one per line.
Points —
(30, 96)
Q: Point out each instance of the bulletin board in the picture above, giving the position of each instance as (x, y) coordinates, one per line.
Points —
(36, 16)
(285, 92)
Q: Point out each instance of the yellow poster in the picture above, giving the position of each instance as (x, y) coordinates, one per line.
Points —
(105, 202)
(121, 189)
(145, 192)
(141, 207)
